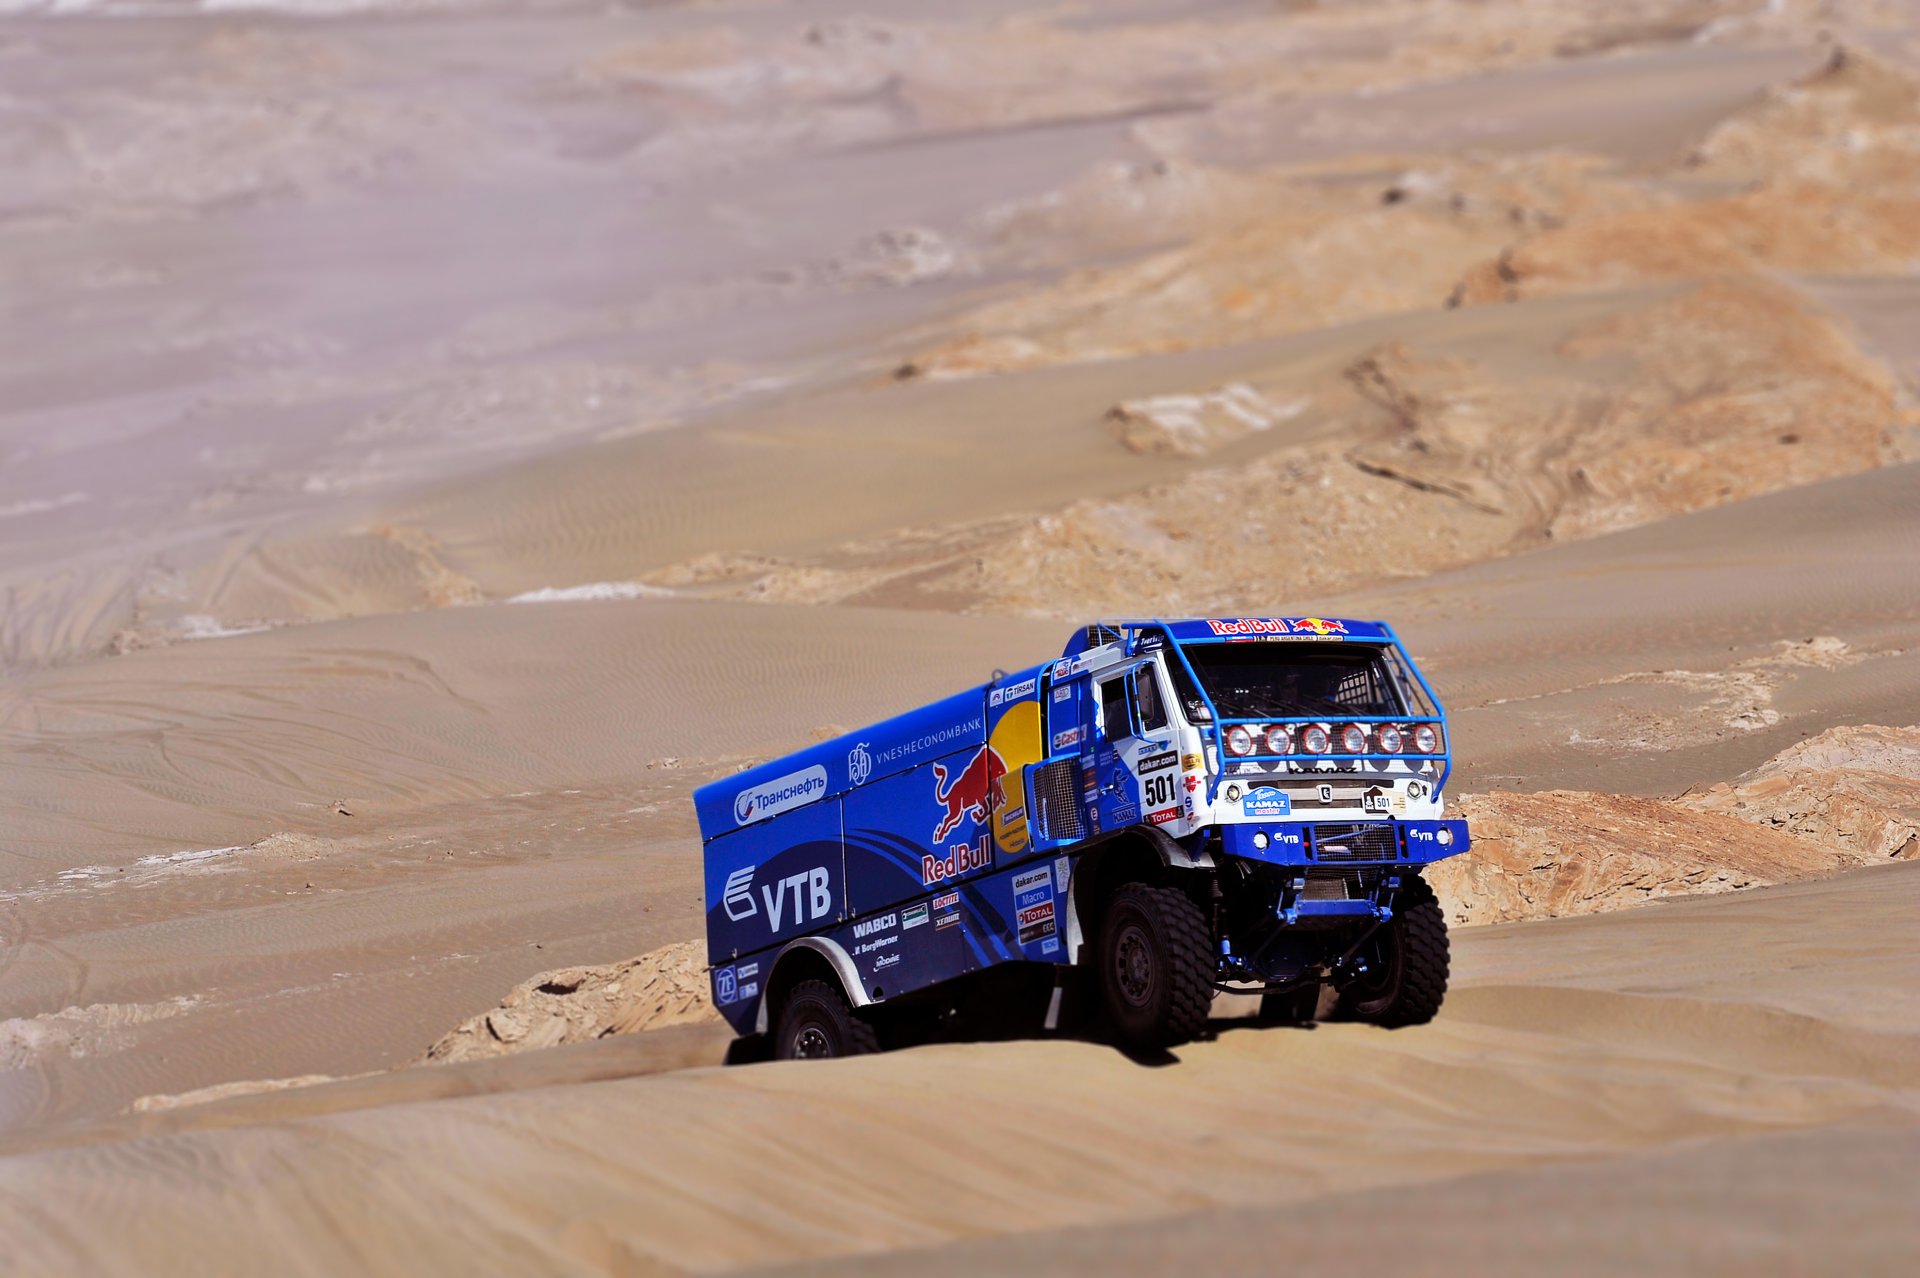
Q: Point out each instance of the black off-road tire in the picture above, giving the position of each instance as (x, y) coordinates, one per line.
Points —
(1156, 966)
(1415, 957)
(816, 1024)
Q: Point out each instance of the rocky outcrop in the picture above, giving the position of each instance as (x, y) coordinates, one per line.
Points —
(662, 987)
(1847, 798)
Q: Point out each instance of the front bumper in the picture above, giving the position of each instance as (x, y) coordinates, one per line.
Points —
(1387, 841)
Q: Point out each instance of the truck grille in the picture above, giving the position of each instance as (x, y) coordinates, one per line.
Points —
(1336, 885)
(1353, 843)
(1056, 800)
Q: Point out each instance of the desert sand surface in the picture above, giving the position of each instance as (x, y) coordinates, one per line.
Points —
(1694, 1044)
(435, 437)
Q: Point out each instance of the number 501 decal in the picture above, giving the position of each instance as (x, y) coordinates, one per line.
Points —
(1159, 790)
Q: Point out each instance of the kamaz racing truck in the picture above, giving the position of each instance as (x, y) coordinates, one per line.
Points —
(1172, 808)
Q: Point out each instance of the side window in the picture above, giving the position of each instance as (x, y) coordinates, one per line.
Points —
(1146, 693)
(1113, 708)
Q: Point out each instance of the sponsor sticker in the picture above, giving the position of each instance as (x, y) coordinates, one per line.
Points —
(1061, 869)
(961, 858)
(1035, 922)
(885, 960)
(795, 789)
(726, 987)
(946, 920)
(1062, 694)
(749, 989)
(878, 923)
(859, 764)
(912, 917)
(1190, 762)
(1266, 801)
(1015, 691)
(1158, 762)
(1071, 737)
(951, 901)
(749, 970)
(1164, 816)
(1050, 946)
(1030, 879)
(1374, 800)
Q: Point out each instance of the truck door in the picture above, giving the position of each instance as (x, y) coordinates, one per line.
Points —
(1138, 763)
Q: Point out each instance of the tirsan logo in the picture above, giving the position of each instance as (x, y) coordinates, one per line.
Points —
(796, 789)
(867, 927)
(859, 764)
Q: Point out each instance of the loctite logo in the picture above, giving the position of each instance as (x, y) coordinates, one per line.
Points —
(757, 803)
(960, 859)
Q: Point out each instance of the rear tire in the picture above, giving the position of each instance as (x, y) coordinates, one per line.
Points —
(1409, 979)
(1156, 966)
(817, 1024)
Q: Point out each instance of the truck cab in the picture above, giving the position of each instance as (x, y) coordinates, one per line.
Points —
(1171, 808)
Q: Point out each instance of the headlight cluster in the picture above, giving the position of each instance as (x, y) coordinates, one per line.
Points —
(1321, 738)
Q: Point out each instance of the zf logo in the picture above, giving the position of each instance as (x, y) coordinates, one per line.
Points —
(811, 897)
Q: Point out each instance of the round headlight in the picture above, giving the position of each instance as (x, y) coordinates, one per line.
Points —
(1239, 740)
(1425, 739)
(1259, 838)
(1353, 739)
(1445, 836)
(1314, 740)
(1279, 740)
(1233, 793)
(1389, 738)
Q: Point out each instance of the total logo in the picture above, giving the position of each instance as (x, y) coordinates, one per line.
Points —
(810, 893)
(796, 789)
(971, 790)
(961, 858)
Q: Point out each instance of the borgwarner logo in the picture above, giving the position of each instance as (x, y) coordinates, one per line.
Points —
(796, 789)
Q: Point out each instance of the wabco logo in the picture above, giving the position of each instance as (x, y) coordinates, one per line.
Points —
(757, 803)
(867, 927)
(859, 764)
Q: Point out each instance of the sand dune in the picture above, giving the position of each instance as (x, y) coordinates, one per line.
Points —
(1558, 1052)
(433, 439)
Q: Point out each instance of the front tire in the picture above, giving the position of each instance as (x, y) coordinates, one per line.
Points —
(817, 1024)
(1407, 980)
(1156, 966)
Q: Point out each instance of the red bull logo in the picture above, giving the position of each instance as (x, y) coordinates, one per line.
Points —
(961, 858)
(973, 790)
(1319, 626)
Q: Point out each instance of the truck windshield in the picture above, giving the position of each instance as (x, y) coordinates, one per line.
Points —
(1274, 680)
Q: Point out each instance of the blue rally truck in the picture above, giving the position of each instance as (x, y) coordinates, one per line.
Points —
(1174, 807)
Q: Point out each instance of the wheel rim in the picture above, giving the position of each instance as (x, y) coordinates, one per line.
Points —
(811, 1043)
(1133, 965)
